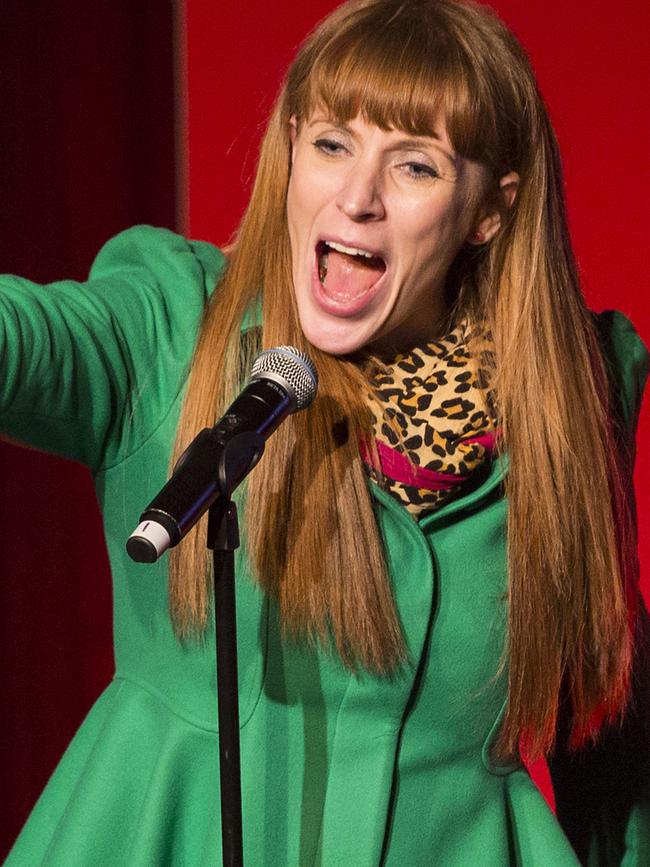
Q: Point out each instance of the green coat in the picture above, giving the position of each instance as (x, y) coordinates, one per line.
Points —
(337, 769)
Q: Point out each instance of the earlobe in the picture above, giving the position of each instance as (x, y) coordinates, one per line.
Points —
(490, 222)
(485, 230)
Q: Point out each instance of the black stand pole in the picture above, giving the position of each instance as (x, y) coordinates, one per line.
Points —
(223, 540)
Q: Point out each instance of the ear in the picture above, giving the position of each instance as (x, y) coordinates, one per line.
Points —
(489, 220)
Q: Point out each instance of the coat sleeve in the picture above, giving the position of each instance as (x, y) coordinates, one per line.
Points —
(603, 791)
(89, 369)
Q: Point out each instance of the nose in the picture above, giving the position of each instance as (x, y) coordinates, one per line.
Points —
(360, 196)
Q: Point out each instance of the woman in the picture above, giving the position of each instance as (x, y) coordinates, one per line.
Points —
(438, 569)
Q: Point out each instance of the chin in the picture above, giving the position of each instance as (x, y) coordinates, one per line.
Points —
(334, 338)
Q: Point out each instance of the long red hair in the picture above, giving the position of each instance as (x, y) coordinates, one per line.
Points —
(570, 534)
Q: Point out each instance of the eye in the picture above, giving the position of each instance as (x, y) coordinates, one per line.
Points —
(420, 171)
(328, 146)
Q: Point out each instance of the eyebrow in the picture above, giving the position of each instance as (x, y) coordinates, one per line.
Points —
(408, 142)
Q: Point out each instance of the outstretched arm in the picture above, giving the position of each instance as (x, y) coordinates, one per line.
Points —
(77, 358)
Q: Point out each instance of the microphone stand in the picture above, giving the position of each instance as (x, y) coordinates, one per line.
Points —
(236, 459)
(284, 380)
(223, 540)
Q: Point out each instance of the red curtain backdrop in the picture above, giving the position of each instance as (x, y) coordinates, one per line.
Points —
(591, 59)
(87, 144)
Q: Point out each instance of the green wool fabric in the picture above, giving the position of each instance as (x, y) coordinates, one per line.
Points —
(337, 768)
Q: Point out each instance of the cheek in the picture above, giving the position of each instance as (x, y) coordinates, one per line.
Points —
(311, 187)
(299, 222)
(301, 180)
(426, 222)
(442, 234)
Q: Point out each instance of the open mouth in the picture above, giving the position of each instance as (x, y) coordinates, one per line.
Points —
(348, 276)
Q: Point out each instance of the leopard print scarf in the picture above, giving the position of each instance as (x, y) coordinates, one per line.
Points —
(434, 420)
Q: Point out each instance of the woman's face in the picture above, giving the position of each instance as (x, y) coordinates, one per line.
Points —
(375, 220)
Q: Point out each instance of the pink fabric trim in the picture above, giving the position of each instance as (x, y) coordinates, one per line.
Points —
(487, 440)
(396, 466)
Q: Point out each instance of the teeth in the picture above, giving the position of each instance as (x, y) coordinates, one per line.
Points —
(341, 248)
(351, 251)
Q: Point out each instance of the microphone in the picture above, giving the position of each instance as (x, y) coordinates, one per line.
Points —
(283, 380)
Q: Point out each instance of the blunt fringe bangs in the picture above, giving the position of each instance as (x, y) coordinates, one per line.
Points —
(357, 70)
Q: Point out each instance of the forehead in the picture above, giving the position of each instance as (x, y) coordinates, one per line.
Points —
(380, 110)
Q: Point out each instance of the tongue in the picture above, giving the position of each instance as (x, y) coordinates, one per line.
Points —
(351, 276)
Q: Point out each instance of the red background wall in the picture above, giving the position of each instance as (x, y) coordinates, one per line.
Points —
(95, 165)
(592, 60)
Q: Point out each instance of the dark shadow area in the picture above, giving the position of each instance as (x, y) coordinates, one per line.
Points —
(87, 143)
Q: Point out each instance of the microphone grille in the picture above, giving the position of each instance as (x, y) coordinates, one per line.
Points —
(293, 367)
